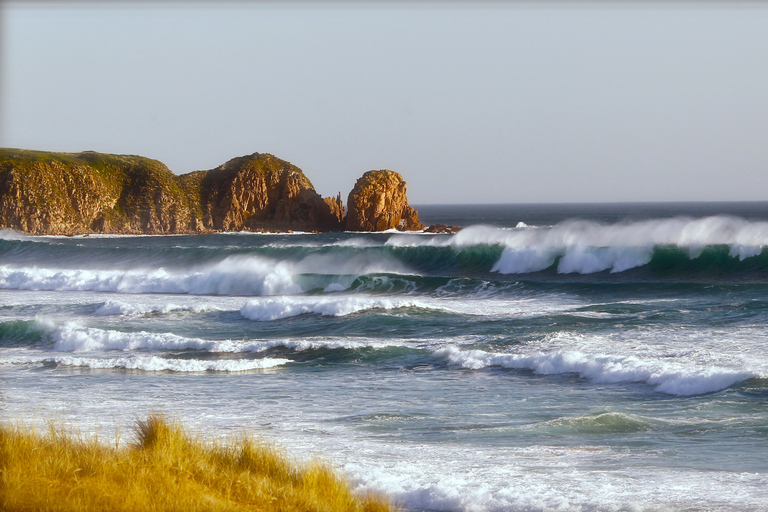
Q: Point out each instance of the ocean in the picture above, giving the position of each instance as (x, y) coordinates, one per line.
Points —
(605, 357)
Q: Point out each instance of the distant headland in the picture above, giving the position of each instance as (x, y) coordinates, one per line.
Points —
(45, 193)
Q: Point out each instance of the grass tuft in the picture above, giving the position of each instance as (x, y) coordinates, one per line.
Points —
(164, 469)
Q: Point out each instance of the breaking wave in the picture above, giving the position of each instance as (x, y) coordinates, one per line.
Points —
(719, 244)
(235, 275)
(670, 378)
(711, 248)
(72, 337)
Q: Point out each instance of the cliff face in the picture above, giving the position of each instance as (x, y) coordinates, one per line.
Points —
(378, 202)
(262, 192)
(46, 193)
(68, 193)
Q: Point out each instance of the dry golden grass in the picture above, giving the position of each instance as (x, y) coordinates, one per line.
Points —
(164, 470)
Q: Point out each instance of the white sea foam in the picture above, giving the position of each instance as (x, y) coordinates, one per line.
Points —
(283, 307)
(274, 308)
(674, 378)
(304, 344)
(547, 479)
(120, 308)
(232, 276)
(72, 337)
(157, 364)
(357, 242)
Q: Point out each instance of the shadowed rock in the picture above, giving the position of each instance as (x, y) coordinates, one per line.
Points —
(260, 191)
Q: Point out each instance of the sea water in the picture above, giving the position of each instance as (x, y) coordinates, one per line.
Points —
(546, 357)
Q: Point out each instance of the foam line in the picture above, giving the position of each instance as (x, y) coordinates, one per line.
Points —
(158, 364)
(120, 308)
(284, 307)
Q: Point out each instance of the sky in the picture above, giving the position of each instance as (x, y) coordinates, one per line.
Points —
(496, 102)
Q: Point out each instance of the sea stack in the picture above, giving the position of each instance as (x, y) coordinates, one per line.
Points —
(378, 203)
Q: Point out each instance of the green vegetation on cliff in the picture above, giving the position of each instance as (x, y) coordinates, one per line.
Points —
(68, 193)
(45, 193)
(74, 193)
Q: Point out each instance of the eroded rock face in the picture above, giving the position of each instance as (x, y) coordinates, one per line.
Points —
(71, 193)
(261, 191)
(337, 209)
(45, 193)
(378, 203)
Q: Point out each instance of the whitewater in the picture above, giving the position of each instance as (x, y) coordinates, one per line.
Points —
(544, 358)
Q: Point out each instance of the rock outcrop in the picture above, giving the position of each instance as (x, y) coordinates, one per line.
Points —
(261, 191)
(65, 193)
(442, 229)
(378, 203)
(45, 193)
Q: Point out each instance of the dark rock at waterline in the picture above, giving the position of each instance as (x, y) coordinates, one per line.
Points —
(442, 229)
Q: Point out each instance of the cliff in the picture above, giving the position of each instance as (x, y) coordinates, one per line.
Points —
(46, 193)
(66, 193)
(258, 191)
(378, 202)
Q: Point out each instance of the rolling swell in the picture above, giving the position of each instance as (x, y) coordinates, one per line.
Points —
(20, 333)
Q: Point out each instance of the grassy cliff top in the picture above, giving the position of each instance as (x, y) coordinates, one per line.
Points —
(109, 167)
(91, 158)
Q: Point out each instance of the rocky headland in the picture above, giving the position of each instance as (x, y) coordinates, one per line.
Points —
(45, 193)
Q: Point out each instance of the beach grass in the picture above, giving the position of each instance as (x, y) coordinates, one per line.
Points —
(164, 469)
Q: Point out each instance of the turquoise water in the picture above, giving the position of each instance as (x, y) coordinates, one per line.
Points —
(547, 357)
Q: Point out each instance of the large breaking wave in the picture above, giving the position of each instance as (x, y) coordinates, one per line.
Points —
(706, 249)
(586, 247)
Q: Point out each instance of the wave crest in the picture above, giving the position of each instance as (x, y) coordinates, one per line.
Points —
(669, 378)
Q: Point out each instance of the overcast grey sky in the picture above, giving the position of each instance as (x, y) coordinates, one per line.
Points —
(502, 102)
